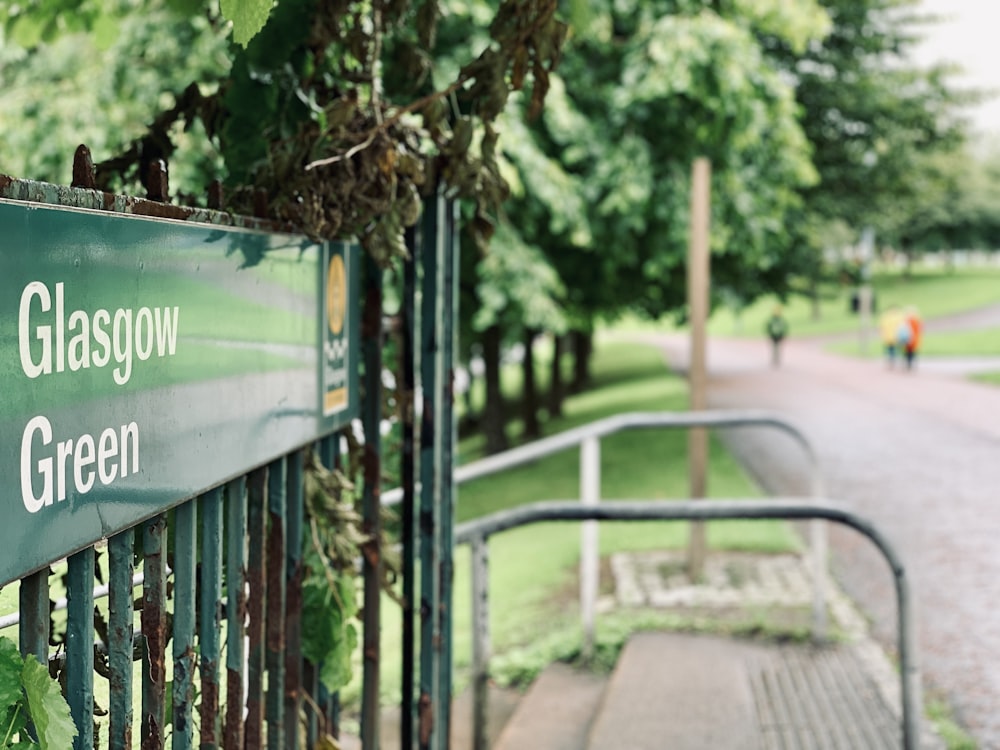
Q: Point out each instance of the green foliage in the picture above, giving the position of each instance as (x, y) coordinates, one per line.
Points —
(69, 90)
(333, 542)
(27, 693)
(248, 17)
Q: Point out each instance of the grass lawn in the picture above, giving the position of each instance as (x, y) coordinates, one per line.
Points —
(934, 292)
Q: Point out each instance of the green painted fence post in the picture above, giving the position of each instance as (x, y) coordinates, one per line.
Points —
(154, 632)
(33, 627)
(446, 324)
(430, 445)
(210, 635)
(408, 333)
(371, 416)
(80, 646)
(256, 607)
(121, 551)
(236, 610)
(293, 617)
(277, 478)
(185, 602)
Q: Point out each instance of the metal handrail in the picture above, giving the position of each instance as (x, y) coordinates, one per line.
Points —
(477, 532)
(571, 438)
(587, 437)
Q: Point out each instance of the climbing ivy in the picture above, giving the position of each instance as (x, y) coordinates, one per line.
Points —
(29, 695)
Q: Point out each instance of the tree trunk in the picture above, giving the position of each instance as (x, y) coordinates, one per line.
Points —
(556, 389)
(583, 345)
(493, 412)
(529, 403)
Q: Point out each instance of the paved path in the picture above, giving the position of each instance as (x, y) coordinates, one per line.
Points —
(919, 454)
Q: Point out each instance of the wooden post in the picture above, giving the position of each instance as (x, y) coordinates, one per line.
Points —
(698, 286)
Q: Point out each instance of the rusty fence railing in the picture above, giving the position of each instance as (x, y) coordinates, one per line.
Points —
(201, 561)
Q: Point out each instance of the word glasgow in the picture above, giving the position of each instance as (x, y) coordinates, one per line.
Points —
(50, 341)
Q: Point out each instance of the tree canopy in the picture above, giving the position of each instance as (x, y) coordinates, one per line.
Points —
(568, 131)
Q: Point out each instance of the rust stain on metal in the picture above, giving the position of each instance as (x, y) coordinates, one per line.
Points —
(425, 709)
(233, 733)
(84, 172)
(209, 704)
(275, 580)
(157, 182)
(370, 551)
(216, 195)
(260, 201)
(293, 635)
(30, 191)
(152, 736)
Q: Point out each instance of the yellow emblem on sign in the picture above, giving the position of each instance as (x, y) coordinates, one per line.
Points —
(336, 295)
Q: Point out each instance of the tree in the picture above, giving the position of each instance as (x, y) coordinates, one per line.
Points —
(872, 118)
(642, 90)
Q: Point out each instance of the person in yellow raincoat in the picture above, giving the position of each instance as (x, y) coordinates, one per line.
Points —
(888, 326)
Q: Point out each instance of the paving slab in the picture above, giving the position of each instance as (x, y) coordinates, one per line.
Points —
(677, 691)
(556, 713)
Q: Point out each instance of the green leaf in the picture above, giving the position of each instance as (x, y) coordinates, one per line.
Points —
(27, 30)
(106, 30)
(49, 710)
(10, 674)
(248, 17)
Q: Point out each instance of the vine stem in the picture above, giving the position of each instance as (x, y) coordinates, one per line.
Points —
(388, 123)
(13, 721)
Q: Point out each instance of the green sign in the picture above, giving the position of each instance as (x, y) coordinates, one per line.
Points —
(145, 361)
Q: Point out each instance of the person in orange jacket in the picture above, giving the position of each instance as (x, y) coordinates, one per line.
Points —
(912, 343)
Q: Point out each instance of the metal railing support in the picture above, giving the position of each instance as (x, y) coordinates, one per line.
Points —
(590, 495)
(481, 638)
(479, 530)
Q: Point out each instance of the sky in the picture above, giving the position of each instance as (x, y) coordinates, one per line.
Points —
(969, 35)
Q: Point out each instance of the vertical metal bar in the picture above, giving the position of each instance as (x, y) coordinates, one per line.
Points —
(371, 511)
(236, 610)
(33, 627)
(480, 641)
(590, 494)
(256, 605)
(80, 646)
(277, 477)
(431, 223)
(121, 629)
(408, 476)
(699, 274)
(310, 683)
(819, 543)
(447, 324)
(185, 602)
(210, 605)
(328, 451)
(154, 632)
(293, 616)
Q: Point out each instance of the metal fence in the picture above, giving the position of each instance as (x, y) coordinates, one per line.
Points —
(221, 569)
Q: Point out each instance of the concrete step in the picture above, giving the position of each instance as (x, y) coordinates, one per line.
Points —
(556, 712)
(502, 704)
(677, 691)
